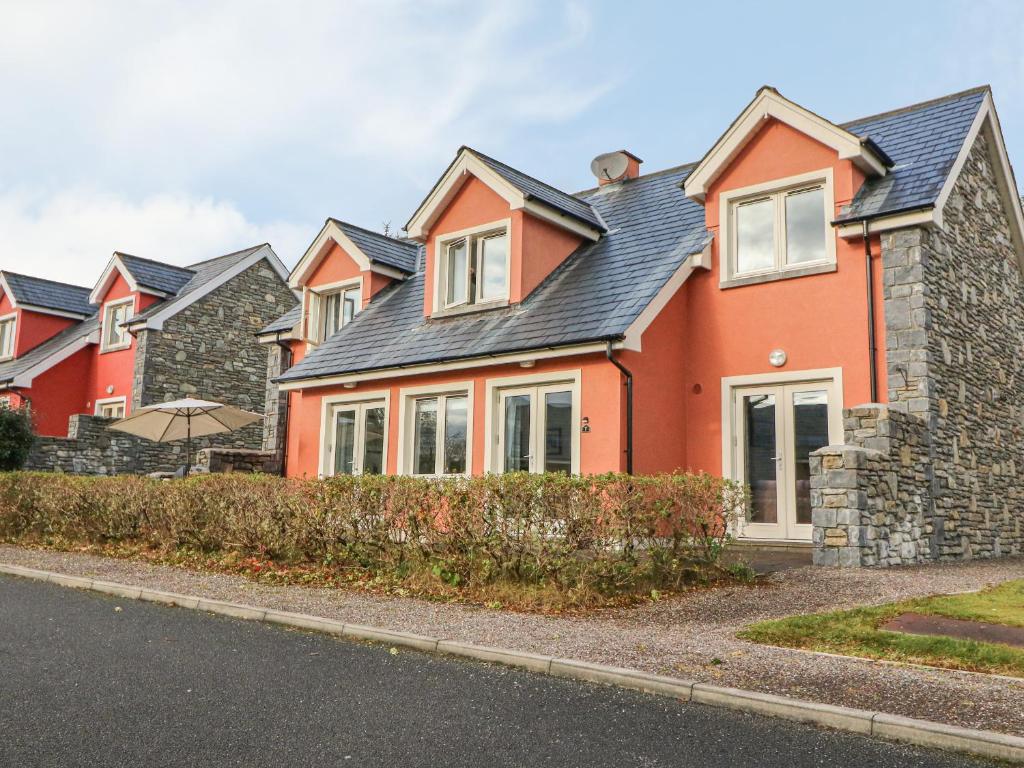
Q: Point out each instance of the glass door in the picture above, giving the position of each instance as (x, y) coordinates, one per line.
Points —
(357, 439)
(776, 428)
(536, 432)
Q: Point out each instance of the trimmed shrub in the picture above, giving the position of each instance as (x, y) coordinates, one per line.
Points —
(16, 437)
(608, 533)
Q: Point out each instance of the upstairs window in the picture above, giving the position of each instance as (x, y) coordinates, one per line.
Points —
(331, 310)
(115, 335)
(7, 337)
(473, 269)
(769, 232)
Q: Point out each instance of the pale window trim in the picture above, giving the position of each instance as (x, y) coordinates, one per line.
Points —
(5, 401)
(8, 333)
(474, 237)
(330, 403)
(777, 190)
(407, 427)
(571, 380)
(125, 340)
(102, 405)
(317, 304)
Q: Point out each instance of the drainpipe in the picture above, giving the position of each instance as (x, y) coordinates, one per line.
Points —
(872, 345)
(629, 406)
(286, 363)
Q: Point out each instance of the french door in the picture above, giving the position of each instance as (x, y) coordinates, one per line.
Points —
(536, 430)
(356, 439)
(775, 428)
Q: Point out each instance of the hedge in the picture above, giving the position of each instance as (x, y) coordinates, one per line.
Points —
(609, 533)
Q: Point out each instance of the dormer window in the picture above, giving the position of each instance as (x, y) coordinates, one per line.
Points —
(331, 308)
(7, 328)
(115, 335)
(473, 268)
(778, 230)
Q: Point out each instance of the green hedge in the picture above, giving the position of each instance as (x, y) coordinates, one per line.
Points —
(16, 437)
(609, 532)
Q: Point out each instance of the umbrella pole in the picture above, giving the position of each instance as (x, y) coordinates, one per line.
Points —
(188, 443)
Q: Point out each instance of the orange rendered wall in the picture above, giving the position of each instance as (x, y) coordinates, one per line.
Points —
(35, 327)
(544, 247)
(60, 392)
(337, 266)
(820, 320)
(600, 399)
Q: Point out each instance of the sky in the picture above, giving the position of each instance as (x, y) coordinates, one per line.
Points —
(182, 131)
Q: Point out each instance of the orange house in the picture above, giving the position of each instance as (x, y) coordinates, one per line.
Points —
(67, 349)
(715, 316)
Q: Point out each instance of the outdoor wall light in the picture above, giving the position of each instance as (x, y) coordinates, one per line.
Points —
(777, 357)
(110, 389)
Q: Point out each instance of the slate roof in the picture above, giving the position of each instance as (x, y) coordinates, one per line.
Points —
(199, 274)
(651, 228)
(36, 355)
(49, 294)
(593, 295)
(923, 142)
(400, 254)
(285, 322)
(156, 275)
(538, 190)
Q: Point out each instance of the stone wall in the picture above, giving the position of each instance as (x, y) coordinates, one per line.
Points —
(276, 403)
(871, 498)
(238, 460)
(936, 474)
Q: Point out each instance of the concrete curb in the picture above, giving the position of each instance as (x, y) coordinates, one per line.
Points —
(893, 727)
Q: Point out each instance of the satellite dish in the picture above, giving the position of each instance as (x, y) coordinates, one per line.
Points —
(610, 166)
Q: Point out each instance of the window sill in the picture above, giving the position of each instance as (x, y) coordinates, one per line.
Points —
(771, 277)
(119, 348)
(469, 309)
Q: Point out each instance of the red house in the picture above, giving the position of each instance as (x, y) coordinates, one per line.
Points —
(715, 316)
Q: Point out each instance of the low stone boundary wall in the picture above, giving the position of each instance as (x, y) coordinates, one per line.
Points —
(871, 501)
(92, 449)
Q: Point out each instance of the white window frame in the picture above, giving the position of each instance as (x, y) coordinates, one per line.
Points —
(5, 401)
(315, 321)
(332, 403)
(539, 382)
(99, 404)
(729, 203)
(108, 310)
(7, 346)
(473, 236)
(407, 423)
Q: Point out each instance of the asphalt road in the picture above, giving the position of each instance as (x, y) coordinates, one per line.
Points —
(85, 684)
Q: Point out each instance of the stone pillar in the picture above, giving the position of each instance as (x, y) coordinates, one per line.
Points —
(276, 409)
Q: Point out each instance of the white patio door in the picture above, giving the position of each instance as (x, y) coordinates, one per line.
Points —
(357, 439)
(536, 429)
(775, 428)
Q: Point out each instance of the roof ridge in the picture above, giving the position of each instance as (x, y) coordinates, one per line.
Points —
(152, 261)
(389, 238)
(642, 177)
(44, 280)
(226, 255)
(918, 105)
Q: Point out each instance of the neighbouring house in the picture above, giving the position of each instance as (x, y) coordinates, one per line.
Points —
(831, 313)
(147, 332)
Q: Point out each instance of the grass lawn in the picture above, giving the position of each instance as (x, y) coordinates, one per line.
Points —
(857, 633)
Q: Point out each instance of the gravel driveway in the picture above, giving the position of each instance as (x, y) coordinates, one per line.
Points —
(691, 636)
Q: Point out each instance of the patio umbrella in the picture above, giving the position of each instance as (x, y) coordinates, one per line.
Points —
(184, 419)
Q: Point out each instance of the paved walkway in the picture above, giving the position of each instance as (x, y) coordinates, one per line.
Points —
(86, 684)
(690, 636)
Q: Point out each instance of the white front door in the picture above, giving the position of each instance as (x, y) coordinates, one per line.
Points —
(774, 429)
(356, 440)
(536, 432)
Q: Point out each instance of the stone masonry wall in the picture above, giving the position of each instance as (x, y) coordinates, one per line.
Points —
(871, 498)
(210, 351)
(954, 307)
(276, 407)
(238, 460)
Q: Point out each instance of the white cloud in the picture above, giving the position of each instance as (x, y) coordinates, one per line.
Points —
(137, 123)
(69, 236)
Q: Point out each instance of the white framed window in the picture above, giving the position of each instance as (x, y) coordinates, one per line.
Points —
(8, 326)
(436, 430)
(354, 434)
(330, 308)
(472, 268)
(115, 314)
(110, 407)
(5, 402)
(779, 229)
(533, 423)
